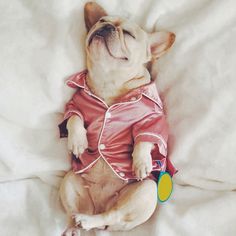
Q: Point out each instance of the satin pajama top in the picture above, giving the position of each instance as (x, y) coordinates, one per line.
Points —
(112, 131)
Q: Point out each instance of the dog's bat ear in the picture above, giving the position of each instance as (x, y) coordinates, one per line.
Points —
(160, 42)
(92, 13)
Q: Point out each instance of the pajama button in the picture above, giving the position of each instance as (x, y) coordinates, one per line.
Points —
(108, 115)
(121, 174)
(102, 146)
(133, 99)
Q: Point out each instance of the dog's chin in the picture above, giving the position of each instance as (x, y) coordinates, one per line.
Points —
(100, 43)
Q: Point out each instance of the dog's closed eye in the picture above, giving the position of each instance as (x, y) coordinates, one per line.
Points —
(102, 20)
(127, 32)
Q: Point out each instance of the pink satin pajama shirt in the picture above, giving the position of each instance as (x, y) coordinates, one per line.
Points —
(112, 131)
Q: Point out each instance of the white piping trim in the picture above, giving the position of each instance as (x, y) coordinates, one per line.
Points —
(79, 75)
(70, 81)
(67, 115)
(87, 167)
(93, 95)
(158, 103)
(155, 135)
(113, 169)
(120, 103)
(99, 142)
(88, 92)
(103, 126)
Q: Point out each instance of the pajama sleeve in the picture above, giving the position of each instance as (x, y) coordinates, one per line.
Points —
(152, 128)
(70, 110)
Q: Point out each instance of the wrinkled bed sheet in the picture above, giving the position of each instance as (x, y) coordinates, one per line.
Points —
(42, 42)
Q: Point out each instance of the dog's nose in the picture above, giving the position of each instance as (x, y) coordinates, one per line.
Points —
(105, 30)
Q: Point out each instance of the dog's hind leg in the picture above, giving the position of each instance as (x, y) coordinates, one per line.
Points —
(75, 198)
(135, 205)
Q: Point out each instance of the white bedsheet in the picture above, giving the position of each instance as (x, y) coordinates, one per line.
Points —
(42, 42)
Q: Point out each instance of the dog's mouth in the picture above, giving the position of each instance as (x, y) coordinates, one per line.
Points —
(106, 34)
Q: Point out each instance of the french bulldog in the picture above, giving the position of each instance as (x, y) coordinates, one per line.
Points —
(116, 127)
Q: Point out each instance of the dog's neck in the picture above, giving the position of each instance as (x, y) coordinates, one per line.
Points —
(110, 86)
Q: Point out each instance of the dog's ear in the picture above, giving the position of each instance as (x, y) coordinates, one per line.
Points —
(92, 13)
(160, 42)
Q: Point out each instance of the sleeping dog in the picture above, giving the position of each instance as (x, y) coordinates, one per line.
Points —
(116, 128)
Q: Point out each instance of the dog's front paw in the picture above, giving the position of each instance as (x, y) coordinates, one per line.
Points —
(77, 141)
(77, 136)
(142, 160)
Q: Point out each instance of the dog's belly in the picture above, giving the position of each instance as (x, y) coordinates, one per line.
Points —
(103, 185)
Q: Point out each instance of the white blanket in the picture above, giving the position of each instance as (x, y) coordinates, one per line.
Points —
(42, 42)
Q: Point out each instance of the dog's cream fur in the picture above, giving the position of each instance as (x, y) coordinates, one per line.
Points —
(99, 199)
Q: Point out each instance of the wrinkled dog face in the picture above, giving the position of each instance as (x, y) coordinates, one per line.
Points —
(116, 43)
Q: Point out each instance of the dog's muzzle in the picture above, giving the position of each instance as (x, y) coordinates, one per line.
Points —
(102, 32)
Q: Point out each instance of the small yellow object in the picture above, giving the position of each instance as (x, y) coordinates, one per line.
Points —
(164, 186)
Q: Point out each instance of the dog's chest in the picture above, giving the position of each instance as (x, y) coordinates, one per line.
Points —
(109, 91)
